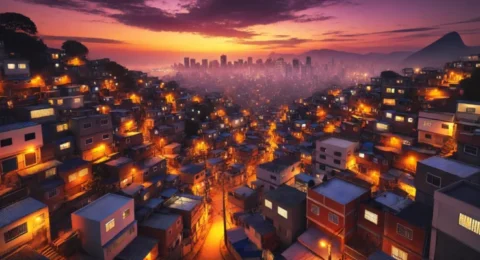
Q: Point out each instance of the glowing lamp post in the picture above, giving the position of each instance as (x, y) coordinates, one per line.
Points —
(326, 244)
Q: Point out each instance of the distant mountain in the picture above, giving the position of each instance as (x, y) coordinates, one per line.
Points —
(447, 48)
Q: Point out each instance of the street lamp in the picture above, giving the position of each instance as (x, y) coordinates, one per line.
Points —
(326, 244)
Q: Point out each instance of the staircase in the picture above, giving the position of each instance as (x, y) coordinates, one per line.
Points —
(49, 252)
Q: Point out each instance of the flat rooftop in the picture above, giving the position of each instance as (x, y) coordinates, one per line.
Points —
(160, 221)
(286, 196)
(19, 210)
(184, 204)
(393, 201)
(339, 190)
(342, 143)
(16, 126)
(243, 191)
(103, 207)
(119, 162)
(464, 191)
(279, 164)
(459, 169)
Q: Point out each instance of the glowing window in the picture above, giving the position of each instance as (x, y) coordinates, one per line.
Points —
(62, 127)
(77, 100)
(72, 177)
(382, 127)
(372, 217)
(268, 204)
(388, 115)
(399, 118)
(22, 66)
(361, 155)
(410, 120)
(282, 212)
(64, 146)
(469, 223)
(11, 66)
(110, 224)
(126, 213)
(389, 101)
(399, 254)
(83, 172)
(59, 101)
(50, 172)
(42, 113)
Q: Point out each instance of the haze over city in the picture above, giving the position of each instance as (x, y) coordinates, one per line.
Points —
(147, 34)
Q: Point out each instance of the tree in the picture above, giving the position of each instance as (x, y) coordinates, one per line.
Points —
(17, 23)
(74, 49)
(470, 86)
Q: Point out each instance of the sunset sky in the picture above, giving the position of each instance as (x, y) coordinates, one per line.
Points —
(146, 33)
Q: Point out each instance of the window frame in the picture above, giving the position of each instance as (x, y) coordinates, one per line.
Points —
(333, 218)
(30, 136)
(110, 225)
(6, 142)
(470, 146)
(368, 215)
(268, 204)
(405, 229)
(434, 176)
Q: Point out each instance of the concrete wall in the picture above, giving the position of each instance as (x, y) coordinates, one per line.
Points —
(18, 140)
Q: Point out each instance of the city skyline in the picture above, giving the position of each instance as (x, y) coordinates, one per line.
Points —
(144, 34)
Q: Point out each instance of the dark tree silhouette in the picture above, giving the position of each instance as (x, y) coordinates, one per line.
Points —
(471, 86)
(74, 49)
(17, 23)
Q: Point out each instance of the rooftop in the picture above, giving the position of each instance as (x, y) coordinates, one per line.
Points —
(192, 169)
(103, 207)
(342, 143)
(185, 204)
(339, 190)
(457, 168)
(138, 249)
(464, 191)
(286, 196)
(297, 251)
(16, 126)
(279, 164)
(19, 210)
(260, 225)
(417, 214)
(243, 191)
(160, 221)
(119, 162)
(70, 164)
(393, 201)
(38, 168)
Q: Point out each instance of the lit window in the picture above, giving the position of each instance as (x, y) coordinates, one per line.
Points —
(42, 113)
(77, 100)
(361, 155)
(30, 159)
(126, 213)
(60, 102)
(372, 217)
(469, 223)
(50, 172)
(146, 196)
(333, 218)
(315, 209)
(410, 120)
(404, 231)
(382, 127)
(470, 110)
(57, 65)
(11, 66)
(83, 172)
(22, 66)
(399, 118)
(110, 224)
(389, 101)
(72, 177)
(282, 212)
(401, 91)
(434, 180)
(268, 204)
(64, 146)
(427, 123)
(388, 115)
(399, 254)
(391, 90)
(62, 127)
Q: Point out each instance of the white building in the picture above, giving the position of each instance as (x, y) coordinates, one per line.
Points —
(334, 154)
(278, 172)
(435, 128)
(106, 226)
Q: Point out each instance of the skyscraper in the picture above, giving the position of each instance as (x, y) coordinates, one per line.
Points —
(250, 60)
(186, 62)
(223, 60)
(308, 62)
(204, 63)
(192, 63)
(296, 64)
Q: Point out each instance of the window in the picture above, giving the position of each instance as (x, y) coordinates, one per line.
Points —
(445, 126)
(88, 141)
(87, 125)
(333, 218)
(399, 118)
(471, 150)
(389, 101)
(428, 136)
(322, 167)
(382, 127)
(126, 213)
(469, 223)
(59, 102)
(50, 172)
(29, 136)
(103, 121)
(42, 113)
(282, 212)
(434, 180)
(410, 120)
(72, 177)
(337, 153)
(105, 136)
(404, 231)
(127, 140)
(470, 110)
(361, 155)
(401, 91)
(268, 204)
(336, 161)
(30, 158)
(391, 90)
(427, 123)
(315, 209)
(323, 149)
(15, 232)
(64, 146)
(399, 254)
(322, 156)
(11, 66)
(77, 100)
(22, 66)
(62, 127)
(83, 172)
(6, 142)
(52, 193)
(146, 196)
(372, 217)
(388, 115)
(110, 224)
(9, 165)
